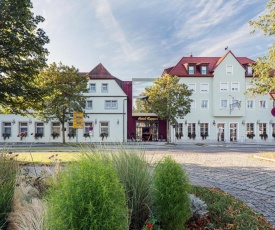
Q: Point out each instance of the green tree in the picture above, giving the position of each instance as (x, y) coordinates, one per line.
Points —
(22, 55)
(263, 77)
(169, 99)
(65, 87)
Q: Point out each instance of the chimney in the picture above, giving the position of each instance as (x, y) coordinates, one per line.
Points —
(191, 55)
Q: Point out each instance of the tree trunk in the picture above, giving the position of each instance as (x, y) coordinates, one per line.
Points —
(63, 132)
(168, 136)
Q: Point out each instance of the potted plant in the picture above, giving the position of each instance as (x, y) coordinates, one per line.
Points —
(180, 135)
(250, 135)
(55, 135)
(71, 134)
(102, 135)
(262, 136)
(22, 135)
(38, 135)
(193, 136)
(189, 135)
(204, 135)
(265, 136)
(273, 135)
(86, 135)
(6, 135)
(177, 135)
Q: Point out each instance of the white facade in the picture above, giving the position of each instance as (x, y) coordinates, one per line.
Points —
(222, 110)
(106, 112)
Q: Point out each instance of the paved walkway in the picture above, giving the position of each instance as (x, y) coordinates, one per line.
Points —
(246, 178)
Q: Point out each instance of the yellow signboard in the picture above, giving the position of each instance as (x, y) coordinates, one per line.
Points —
(78, 120)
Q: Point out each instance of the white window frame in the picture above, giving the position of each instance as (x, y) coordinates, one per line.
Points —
(193, 104)
(204, 104)
(91, 90)
(235, 103)
(191, 69)
(7, 128)
(89, 104)
(103, 128)
(39, 128)
(249, 70)
(248, 104)
(56, 127)
(111, 104)
(235, 86)
(23, 127)
(261, 103)
(203, 69)
(221, 104)
(229, 69)
(104, 88)
(192, 86)
(86, 129)
(204, 90)
(225, 89)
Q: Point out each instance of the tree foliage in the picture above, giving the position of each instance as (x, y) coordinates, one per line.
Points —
(263, 77)
(22, 55)
(65, 87)
(168, 98)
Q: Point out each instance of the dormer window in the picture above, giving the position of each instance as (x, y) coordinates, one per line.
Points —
(203, 69)
(249, 70)
(191, 69)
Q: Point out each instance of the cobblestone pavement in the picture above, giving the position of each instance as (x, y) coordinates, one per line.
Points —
(249, 179)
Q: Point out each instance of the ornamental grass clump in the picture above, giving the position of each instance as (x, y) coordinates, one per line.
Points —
(171, 194)
(8, 175)
(135, 174)
(87, 196)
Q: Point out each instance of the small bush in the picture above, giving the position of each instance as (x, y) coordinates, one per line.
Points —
(170, 194)
(87, 196)
(135, 174)
(8, 175)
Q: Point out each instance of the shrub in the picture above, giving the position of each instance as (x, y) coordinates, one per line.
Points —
(8, 175)
(170, 194)
(87, 196)
(134, 172)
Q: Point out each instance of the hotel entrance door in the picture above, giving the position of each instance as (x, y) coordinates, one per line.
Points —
(146, 130)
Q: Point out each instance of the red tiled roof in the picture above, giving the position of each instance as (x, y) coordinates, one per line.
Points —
(100, 72)
(180, 69)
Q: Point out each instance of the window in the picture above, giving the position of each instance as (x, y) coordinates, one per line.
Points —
(7, 128)
(39, 128)
(262, 104)
(250, 130)
(92, 88)
(224, 104)
(203, 69)
(223, 87)
(204, 88)
(191, 130)
(89, 104)
(193, 104)
(104, 127)
(262, 129)
(23, 127)
(179, 130)
(250, 104)
(204, 130)
(249, 70)
(110, 104)
(192, 86)
(71, 131)
(88, 129)
(104, 88)
(234, 86)
(204, 104)
(191, 69)
(229, 69)
(235, 103)
(56, 128)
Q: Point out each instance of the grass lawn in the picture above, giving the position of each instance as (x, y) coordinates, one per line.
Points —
(47, 157)
(270, 155)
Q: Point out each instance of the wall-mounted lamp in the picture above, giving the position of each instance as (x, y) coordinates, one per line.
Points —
(258, 121)
(214, 122)
(13, 121)
(243, 122)
(185, 122)
(199, 122)
(95, 121)
(30, 121)
(271, 121)
(118, 121)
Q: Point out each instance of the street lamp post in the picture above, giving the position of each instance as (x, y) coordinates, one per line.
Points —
(123, 125)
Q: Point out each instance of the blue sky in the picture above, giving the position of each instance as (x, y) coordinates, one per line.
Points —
(139, 38)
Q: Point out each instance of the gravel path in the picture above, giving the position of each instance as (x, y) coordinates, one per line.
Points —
(240, 174)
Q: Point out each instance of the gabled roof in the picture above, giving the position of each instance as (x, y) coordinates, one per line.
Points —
(180, 69)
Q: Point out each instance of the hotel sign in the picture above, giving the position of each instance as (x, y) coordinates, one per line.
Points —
(148, 119)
